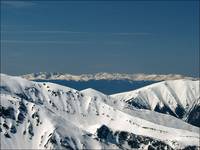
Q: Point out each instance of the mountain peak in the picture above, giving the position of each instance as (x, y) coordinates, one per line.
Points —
(43, 115)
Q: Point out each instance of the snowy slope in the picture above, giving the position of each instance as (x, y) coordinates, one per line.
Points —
(177, 97)
(45, 115)
(151, 116)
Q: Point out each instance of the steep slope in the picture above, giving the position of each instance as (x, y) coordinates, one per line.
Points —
(45, 115)
(152, 116)
(178, 98)
(193, 114)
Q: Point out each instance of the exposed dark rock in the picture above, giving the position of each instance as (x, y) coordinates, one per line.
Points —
(191, 148)
(103, 132)
(165, 110)
(22, 107)
(4, 88)
(13, 129)
(35, 115)
(66, 143)
(24, 132)
(134, 144)
(150, 147)
(137, 105)
(22, 96)
(52, 140)
(7, 112)
(194, 116)
(30, 130)
(5, 126)
(180, 111)
(23, 111)
(20, 118)
(123, 136)
(7, 135)
(134, 141)
(32, 90)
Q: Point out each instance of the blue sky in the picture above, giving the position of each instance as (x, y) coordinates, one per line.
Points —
(95, 36)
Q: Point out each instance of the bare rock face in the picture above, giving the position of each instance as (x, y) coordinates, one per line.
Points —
(194, 116)
(123, 138)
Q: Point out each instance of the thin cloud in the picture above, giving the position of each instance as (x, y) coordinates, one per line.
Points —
(132, 33)
(116, 43)
(58, 31)
(41, 42)
(46, 32)
(62, 42)
(18, 4)
(76, 32)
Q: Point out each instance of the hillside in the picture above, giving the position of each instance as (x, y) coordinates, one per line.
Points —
(178, 98)
(38, 115)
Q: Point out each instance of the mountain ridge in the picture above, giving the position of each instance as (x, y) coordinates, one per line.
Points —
(175, 97)
(46, 115)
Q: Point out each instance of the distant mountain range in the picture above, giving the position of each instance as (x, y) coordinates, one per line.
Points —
(108, 83)
(103, 76)
(44, 115)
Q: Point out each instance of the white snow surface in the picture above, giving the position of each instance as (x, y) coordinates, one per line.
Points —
(171, 93)
(64, 111)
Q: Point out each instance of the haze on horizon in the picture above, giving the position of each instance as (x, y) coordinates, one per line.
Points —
(98, 36)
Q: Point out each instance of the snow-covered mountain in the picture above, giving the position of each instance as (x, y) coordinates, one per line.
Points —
(179, 98)
(103, 76)
(37, 115)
